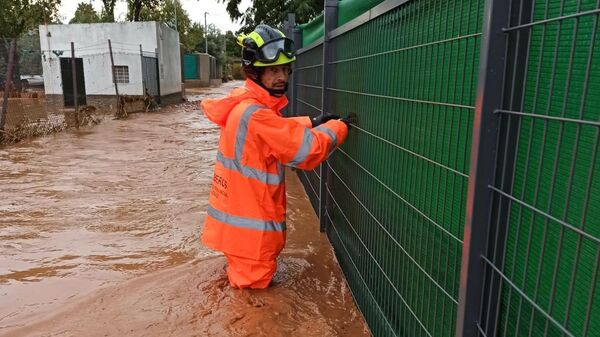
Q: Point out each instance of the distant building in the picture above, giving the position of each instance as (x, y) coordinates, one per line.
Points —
(146, 58)
(201, 70)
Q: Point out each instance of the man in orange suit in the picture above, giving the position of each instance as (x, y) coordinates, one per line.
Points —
(246, 216)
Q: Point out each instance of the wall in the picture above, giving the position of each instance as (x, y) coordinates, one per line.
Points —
(169, 60)
(204, 61)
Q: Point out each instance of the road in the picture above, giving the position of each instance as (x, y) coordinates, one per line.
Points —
(99, 236)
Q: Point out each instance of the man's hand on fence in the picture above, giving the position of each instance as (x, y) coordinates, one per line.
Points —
(349, 120)
(316, 121)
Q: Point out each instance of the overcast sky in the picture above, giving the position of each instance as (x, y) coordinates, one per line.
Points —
(195, 9)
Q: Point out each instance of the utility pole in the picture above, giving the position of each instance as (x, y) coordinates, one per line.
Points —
(205, 34)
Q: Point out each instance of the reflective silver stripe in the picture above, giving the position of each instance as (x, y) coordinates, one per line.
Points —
(240, 138)
(236, 163)
(238, 221)
(304, 150)
(331, 135)
(281, 171)
(249, 172)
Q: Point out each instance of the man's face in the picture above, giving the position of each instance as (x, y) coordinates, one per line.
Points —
(276, 77)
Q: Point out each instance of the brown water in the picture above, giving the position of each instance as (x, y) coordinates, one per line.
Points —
(99, 236)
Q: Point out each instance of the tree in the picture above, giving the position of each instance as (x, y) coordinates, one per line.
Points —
(193, 40)
(18, 17)
(165, 12)
(108, 11)
(232, 48)
(273, 12)
(30, 53)
(134, 8)
(215, 43)
(85, 13)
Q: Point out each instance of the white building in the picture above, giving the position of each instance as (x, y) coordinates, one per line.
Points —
(146, 56)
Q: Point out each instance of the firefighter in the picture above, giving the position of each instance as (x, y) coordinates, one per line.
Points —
(246, 216)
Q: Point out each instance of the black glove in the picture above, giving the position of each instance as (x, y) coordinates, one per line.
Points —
(316, 121)
(349, 120)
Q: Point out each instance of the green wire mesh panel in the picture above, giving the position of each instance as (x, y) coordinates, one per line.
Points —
(308, 71)
(549, 273)
(398, 185)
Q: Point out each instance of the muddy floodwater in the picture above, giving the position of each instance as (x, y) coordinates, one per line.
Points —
(99, 236)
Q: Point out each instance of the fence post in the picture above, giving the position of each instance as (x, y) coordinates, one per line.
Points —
(112, 66)
(7, 83)
(142, 66)
(158, 97)
(291, 22)
(515, 73)
(297, 36)
(330, 23)
(484, 149)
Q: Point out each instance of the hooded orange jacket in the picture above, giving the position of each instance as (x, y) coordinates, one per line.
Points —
(246, 215)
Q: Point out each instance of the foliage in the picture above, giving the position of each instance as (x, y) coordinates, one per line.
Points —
(170, 13)
(135, 7)
(85, 13)
(30, 54)
(272, 12)
(108, 11)
(19, 16)
(193, 41)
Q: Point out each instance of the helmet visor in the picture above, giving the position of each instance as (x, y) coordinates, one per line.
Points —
(269, 51)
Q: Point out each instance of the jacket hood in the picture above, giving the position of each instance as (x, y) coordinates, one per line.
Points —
(218, 110)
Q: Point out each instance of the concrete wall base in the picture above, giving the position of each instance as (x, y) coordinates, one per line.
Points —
(107, 104)
(173, 98)
(196, 84)
(215, 82)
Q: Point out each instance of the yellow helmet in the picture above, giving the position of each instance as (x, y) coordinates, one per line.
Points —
(265, 47)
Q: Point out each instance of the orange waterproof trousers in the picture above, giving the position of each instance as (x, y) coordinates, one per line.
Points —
(249, 273)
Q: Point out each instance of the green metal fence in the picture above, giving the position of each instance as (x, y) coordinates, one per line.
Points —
(308, 77)
(466, 201)
(547, 185)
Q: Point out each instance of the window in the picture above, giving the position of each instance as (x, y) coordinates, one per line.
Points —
(122, 74)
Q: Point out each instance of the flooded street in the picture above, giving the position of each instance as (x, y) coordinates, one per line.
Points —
(99, 236)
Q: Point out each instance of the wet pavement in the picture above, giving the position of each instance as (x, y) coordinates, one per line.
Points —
(99, 236)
